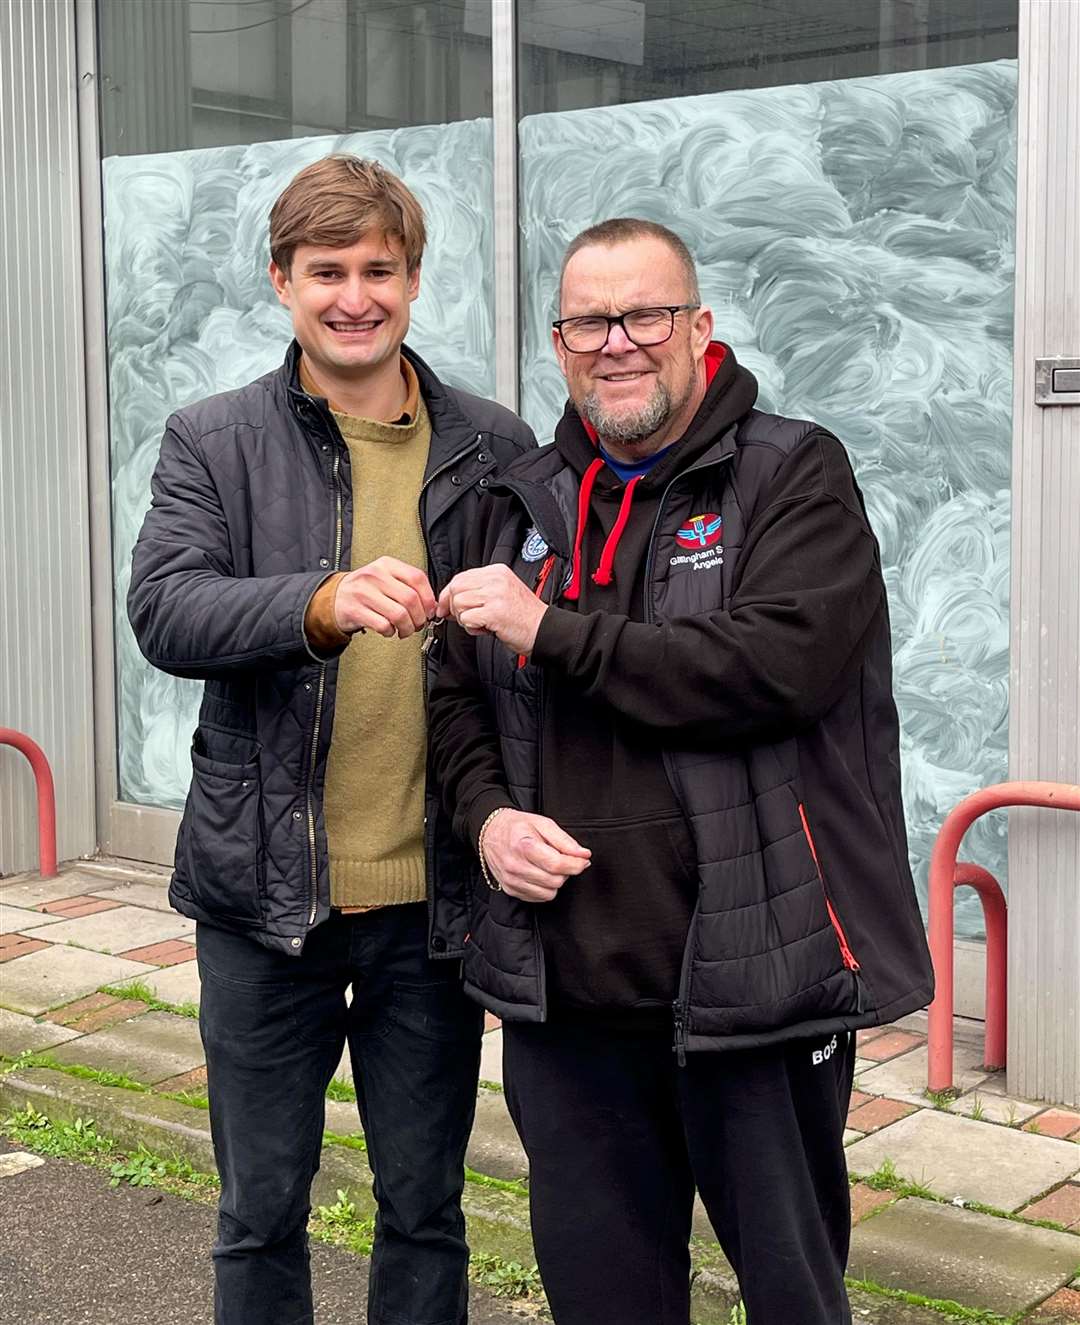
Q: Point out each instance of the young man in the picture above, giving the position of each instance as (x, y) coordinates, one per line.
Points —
(300, 531)
(667, 729)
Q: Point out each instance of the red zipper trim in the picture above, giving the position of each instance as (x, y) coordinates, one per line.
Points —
(538, 589)
(838, 929)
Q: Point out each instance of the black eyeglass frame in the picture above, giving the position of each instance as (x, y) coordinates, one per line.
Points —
(619, 320)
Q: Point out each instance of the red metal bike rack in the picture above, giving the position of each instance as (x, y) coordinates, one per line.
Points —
(946, 875)
(46, 798)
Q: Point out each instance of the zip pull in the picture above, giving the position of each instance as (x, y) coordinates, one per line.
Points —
(680, 1034)
(432, 634)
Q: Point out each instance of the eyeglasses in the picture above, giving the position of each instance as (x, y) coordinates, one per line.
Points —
(641, 326)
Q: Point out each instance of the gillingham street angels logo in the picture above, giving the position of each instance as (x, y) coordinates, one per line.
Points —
(701, 531)
(701, 537)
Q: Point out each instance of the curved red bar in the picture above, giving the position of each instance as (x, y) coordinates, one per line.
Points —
(46, 798)
(945, 876)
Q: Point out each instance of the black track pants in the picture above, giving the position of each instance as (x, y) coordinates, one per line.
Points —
(618, 1136)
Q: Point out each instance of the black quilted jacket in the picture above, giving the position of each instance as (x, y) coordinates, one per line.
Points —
(762, 669)
(251, 512)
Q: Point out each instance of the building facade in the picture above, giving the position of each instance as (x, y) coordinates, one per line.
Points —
(882, 197)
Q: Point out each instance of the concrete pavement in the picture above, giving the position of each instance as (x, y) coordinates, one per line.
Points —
(945, 1199)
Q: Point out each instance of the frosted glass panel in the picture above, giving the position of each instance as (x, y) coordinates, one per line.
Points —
(191, 312)
(855, 240)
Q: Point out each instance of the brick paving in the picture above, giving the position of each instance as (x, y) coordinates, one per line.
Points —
(74, 908)
(864, 1199)
(1063, 1306)
(169, 953)
(878, 1113)
(1055, 1122)
(890, 1045)
(1062, 1206)
(15, 945)
(193, 1080)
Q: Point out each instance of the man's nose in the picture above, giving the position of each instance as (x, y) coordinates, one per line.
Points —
(618, 342)
(352, 296)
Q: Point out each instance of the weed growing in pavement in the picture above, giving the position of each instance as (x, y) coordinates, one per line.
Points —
(490, 1085)
(340, 1225)
(139, 1170)
(942, 1099)
(738, 1315)
(886, 1179)
(504, 1278)
(82, 1141)
(75, 1140)
(344, 1091)
(978, 1113)
(140, 990)
(944, 1306)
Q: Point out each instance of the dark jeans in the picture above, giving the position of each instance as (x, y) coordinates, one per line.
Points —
(618, 1135)
(274, 1028)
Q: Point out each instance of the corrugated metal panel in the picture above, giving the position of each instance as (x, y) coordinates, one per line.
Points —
(1044, 855)
(45, 653)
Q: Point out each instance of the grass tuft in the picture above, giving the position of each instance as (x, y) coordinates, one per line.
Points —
(139, 989)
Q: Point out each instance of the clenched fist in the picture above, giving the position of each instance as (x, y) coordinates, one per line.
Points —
(492, 600)
(387, 596)
(531, 856)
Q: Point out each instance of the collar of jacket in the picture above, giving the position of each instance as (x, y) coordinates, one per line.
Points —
(451, 431)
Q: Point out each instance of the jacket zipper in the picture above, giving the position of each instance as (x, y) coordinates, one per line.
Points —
(425, 649)
(845, 949)
(538, 590)
(313, 897)
(680, 1007)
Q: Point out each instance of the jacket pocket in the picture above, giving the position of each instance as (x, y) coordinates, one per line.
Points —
(841, 938)
(219, 851)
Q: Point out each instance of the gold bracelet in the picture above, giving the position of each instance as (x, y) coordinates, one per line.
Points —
(493, 884)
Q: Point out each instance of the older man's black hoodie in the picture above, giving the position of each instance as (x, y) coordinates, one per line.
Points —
(618, 690)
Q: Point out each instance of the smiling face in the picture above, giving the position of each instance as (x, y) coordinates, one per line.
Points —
(639, 399)
(350, 306)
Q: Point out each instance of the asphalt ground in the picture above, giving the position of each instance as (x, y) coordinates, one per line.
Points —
(75, 1251)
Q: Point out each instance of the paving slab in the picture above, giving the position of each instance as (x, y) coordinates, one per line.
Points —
(905, 1078)
(175, 984)
(957, 1157)
(978, 1260)
(149, 1048)
(19, 1033)
(136, 892)
(13, 1162)
(33, 892)
(52, 976)
(995, 1108)
(22, 919)
(491, 1057)
(494, 1146)
(122, 928)
(342, 1118)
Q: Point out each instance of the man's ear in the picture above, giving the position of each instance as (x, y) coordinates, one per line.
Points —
(280, 281)
(701, 332)
(412, 284)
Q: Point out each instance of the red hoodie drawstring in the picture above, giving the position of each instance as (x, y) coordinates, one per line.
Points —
(573, 589)
(603, 572)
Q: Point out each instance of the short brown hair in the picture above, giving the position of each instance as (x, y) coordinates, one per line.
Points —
(621, 229)
(337, 200)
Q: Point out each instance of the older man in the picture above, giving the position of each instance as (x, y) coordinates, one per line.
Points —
(665, 724)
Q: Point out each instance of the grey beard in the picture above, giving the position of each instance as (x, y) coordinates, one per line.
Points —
(626, 429)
